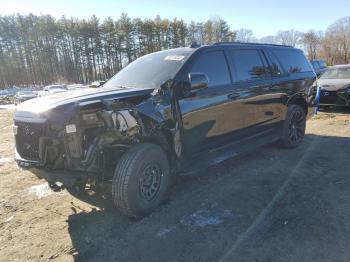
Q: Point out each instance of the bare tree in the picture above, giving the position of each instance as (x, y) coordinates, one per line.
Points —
(289, 37)
(336, 44)
(269, 39)
(244, 35)
(312, 42)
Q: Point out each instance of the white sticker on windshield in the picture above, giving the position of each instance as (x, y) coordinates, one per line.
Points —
(174, 57)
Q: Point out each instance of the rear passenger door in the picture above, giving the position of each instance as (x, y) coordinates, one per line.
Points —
(259, 97)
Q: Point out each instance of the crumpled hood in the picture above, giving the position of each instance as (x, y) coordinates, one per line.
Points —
(333, 84)
(44, 103)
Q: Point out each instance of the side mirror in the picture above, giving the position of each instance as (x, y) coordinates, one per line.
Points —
(198, 81)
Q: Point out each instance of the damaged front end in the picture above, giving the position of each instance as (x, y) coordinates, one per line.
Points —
(82, 141)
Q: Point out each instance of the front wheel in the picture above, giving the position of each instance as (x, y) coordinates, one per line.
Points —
(293, 129)
(141, 180)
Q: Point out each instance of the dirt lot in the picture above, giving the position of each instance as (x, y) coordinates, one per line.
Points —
(270, 205)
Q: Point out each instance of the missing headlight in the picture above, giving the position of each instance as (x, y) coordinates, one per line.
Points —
(92, 117)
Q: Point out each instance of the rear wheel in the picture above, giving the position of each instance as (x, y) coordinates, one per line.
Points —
(141, 180)
(293, 130)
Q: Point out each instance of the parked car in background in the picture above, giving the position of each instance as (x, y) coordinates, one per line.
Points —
(319, 66)
(53, 89)
(176, 110)
(76, 86)
(22, 96)
(97, 84)
(335, 86)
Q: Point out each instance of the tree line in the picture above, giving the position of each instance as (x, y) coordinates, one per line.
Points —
(40, 50)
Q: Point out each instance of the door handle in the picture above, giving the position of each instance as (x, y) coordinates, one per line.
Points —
(234, 95)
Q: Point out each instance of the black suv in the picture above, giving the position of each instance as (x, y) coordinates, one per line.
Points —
(176, 110)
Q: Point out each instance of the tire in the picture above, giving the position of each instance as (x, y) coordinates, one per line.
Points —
(141, 180)
(293, 129)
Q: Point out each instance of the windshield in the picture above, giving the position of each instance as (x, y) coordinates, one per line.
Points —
(150, 71)
(337, 73)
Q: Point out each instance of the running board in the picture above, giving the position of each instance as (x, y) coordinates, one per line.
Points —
(217, 156)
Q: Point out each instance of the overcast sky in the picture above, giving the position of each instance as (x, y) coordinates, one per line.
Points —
(263, 17)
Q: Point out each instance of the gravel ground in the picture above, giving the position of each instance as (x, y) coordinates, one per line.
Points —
(270, 205)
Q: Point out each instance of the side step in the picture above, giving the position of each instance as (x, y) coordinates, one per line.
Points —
(217, 156)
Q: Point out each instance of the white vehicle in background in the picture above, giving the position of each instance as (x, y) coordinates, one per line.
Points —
(24, 95)
(52, 89)
(76, 86)
(97, 84)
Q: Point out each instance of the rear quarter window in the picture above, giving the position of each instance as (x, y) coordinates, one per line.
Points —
(292, 61)
(248, 65)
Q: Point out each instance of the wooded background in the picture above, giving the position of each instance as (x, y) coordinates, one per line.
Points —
(39, 50)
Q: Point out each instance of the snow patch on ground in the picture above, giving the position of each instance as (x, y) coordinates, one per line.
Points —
(4, 160)
(207, 215)
(7, 107)
(43, 190)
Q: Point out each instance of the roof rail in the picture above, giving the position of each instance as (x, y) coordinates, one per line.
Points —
(245, 43)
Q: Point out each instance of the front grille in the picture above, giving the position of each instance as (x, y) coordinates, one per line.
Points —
(328, 97)
(27, 139)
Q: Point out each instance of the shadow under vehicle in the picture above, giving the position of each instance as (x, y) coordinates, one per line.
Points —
(335, 86)
(195, 224)
(176, 110)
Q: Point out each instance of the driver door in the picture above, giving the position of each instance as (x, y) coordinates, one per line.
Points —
(207, 114)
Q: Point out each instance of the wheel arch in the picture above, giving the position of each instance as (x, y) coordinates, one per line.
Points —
(299, 100)
(164, 138)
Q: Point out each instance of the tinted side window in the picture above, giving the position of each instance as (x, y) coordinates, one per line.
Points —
(276, 69)
(247, 65)
(293, 61)
(214, 65)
